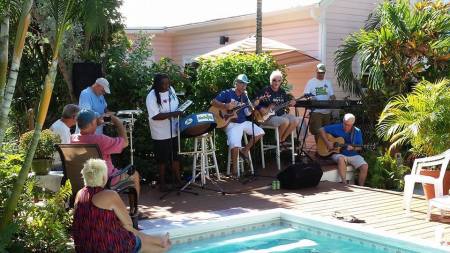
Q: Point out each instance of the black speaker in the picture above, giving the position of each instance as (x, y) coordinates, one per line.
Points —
(84, 75)
(300, 175)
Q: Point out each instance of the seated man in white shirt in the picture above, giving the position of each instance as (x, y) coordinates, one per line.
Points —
(68, 119)
(62, 126)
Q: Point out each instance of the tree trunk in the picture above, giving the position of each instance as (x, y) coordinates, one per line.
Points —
(19, 43)
(11, 203)
(4, 43)
(67, 75)
(259, 26)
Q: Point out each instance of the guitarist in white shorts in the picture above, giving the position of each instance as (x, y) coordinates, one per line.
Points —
(229, 99)
(349, 155)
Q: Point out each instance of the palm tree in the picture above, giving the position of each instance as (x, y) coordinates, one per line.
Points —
(420, 119)
(399, 46)
(63, 12)
(258, 26)
(7, 91)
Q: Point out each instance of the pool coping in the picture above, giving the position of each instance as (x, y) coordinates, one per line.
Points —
(280, 214)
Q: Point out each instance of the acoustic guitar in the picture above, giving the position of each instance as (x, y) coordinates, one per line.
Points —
(338, 144)
(265, 113)
(223, 116)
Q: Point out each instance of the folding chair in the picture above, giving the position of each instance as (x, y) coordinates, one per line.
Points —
(73, 157)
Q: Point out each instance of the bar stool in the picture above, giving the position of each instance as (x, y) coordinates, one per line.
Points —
(265, 147)
(204, 150)
(240, 164)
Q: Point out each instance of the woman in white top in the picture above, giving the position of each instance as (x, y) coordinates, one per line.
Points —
(162, 103)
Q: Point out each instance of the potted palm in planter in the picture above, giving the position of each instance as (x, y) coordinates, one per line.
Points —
(420, 120)
(43, 157)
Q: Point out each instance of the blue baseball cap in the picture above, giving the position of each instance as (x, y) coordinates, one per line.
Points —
(85, 117)
(242, 78)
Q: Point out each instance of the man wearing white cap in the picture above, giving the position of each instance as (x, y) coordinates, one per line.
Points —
(322, 90)
(92, 98)
(349, 155)
(229, 99)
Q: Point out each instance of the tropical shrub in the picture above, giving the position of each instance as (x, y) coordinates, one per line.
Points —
(36, 227)
(385, 172)
(420, 119)
(398, 47)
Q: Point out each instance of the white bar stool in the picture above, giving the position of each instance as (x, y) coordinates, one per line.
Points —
(265, 147)
(240, 164)
(204, 150)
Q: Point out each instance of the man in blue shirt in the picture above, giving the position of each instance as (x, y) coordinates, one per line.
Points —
(229, 99)
(92, 98)
(349, 154)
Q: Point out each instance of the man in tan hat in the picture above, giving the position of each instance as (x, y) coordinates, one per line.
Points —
(322, 89)
(92, 98)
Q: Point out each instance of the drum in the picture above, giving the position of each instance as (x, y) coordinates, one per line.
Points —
(197, 124)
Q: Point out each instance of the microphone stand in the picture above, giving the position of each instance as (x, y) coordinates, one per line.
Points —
(253, 176)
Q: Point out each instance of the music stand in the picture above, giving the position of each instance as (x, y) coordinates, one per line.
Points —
(130, 125)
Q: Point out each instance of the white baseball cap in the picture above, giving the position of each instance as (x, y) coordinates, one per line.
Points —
(103, 82)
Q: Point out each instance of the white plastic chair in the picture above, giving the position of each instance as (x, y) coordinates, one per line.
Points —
(440, 160)
(240, 161)
(276, 146)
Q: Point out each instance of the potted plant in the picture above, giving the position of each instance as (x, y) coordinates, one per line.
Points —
(43, 156)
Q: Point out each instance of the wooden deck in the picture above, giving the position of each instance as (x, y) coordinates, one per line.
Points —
(380, 209)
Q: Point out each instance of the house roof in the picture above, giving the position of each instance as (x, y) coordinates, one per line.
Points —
(303, 5)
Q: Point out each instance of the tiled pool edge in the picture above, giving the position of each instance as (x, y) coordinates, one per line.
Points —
(253, 220)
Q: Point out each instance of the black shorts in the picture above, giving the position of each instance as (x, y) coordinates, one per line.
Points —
(163, 151)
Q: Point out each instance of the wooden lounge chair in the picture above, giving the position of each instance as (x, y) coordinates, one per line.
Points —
(73, 157)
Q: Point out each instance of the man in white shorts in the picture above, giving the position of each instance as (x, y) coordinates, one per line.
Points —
(229, 99)
(352, 136)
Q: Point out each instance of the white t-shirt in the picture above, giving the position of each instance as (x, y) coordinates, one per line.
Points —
(62, 130)
(321, 89)
(160, 129)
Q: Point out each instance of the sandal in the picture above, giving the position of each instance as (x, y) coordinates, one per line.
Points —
(244, 155)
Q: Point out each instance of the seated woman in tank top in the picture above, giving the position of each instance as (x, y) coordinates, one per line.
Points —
(101, 221)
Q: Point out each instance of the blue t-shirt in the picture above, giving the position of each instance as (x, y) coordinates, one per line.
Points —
(89, 100)
(229, 95)
(337, 130)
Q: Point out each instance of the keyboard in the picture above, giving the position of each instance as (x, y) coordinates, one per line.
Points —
(328, 104)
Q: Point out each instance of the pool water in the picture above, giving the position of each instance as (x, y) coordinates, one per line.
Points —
(280, 238)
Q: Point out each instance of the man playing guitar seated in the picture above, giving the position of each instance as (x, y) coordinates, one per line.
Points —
(229, 99)
(353, 137)
(285, 122)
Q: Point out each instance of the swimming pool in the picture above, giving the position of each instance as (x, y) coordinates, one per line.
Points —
(281, 230)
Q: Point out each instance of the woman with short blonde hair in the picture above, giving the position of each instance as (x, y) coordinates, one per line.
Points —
(101, 222)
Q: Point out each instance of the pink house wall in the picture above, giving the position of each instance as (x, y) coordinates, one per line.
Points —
(343, 17)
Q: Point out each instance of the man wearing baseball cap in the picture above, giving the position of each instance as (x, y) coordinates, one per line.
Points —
(322, 89)
(92, 98)
(227, 100)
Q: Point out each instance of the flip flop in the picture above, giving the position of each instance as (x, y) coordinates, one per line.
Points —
(353, 219)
